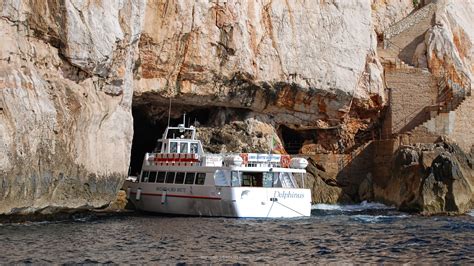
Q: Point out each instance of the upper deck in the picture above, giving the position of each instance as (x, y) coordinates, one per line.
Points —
(179, 140)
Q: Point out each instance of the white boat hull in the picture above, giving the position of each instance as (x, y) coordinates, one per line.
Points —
(219, 201)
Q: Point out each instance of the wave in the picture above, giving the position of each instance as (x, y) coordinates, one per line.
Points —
(471, 213)
(352, 207)
(377, 218)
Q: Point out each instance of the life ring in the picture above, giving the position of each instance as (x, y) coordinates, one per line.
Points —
(245, 158)
(285, 161)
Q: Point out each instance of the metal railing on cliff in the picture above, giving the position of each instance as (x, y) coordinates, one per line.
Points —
(448, 100)
(407, 22)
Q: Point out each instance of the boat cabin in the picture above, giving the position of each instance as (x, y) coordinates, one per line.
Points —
(179, 139)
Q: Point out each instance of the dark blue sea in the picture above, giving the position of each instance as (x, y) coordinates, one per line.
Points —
(365, 233)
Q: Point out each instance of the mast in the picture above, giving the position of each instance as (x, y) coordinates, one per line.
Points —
(169, 113)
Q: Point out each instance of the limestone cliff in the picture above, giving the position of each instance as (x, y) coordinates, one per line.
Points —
(65, 101)
(304, 65)
(304, 72)
(449, 45)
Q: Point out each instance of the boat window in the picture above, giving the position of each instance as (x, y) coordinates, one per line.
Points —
(236, 178)
(161, 177)
(152, 177)
(252, 179)
(183, 147)
(220, 179)
(189, 178)
(286, 180)
(145, 176)
(173, 147)
(194, 148)
(268, 179)
(170, 177)
(179, 178)
(276, 180)
(200, 178)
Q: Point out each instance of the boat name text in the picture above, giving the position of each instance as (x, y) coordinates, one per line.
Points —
(288, 194)
(171, 189)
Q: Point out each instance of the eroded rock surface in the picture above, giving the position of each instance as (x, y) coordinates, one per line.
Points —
(449, 43)
(305, 70)
(285, 59)
(430, 179)
(65, 97)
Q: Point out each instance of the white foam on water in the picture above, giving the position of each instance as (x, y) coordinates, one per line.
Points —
(352, 207)
(471, 213)
(377, 218)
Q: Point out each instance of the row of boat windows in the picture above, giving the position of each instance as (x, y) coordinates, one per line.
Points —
(181, 147)
(173, 177)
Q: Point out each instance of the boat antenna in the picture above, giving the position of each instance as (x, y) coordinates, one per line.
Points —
(169, 113)
(184, 119)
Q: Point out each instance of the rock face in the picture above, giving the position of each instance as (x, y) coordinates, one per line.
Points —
(387, 12)
(65, 102)
(430, 179)
(304, 73)
(290, 61)
(449, 46)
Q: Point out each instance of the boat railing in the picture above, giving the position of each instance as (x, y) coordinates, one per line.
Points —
(219, 160)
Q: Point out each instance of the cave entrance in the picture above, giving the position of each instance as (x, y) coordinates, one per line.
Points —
(293, 140)
(146, 132)
(150, 121)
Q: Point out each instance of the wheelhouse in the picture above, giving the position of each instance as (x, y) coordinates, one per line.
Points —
(180, 139)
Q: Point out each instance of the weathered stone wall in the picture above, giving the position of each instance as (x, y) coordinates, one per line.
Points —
(411, 90)
(342, 177)
(463, 132)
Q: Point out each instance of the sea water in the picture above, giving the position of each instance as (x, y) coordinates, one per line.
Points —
(367, 232)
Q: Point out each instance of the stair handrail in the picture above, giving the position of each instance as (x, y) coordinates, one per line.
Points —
(446, 93)
(426, 110)
(388, 45)
(399, 26)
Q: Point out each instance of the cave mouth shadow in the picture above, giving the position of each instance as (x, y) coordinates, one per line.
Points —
(149, 125)
(147, 129)
(293, 139)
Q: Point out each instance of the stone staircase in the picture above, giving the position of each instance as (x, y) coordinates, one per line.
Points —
(405, 35)
(402, 38)
(441, 119)
(412, 93)
(452, 93)
(416, 101)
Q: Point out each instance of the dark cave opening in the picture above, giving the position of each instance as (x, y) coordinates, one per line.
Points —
(293, 139)
(149, 125)
(146, 131)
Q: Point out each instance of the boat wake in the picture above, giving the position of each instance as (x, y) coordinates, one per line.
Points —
(363, 206)
(364, 212)
(377, 218)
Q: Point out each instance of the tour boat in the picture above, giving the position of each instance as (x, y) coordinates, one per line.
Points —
(181, 179)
